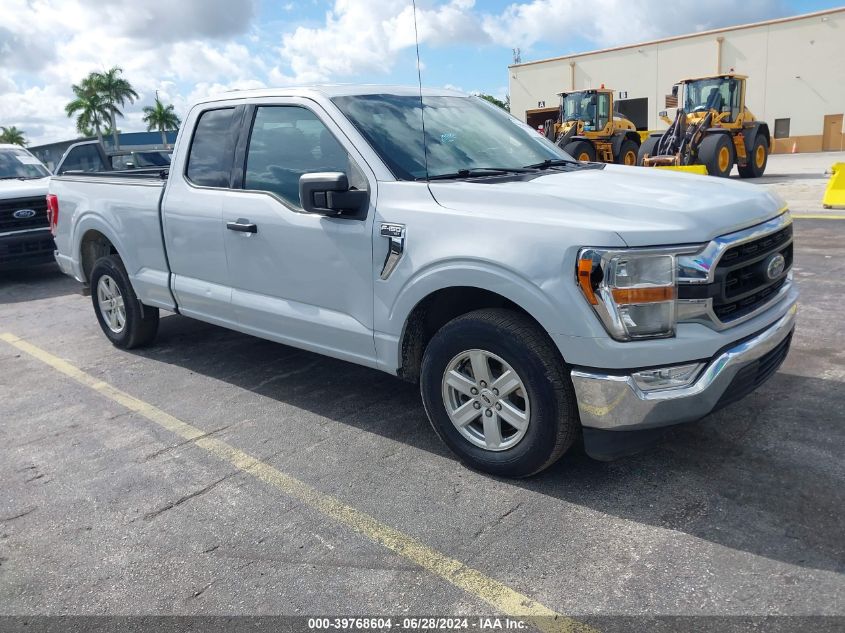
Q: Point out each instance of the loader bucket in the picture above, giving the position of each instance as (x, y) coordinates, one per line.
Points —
(690, 169)
(834, 194)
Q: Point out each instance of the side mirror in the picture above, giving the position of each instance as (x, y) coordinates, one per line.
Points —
(675, 90)
(328, 193)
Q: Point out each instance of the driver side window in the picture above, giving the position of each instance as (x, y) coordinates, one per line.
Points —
(603, 111)
(287, 142)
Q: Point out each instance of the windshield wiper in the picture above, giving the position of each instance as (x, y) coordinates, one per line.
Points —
(552, 162)
(20, 177)
(476, 172)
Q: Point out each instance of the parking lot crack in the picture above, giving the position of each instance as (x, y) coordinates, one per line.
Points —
(498, 521)
(19, 516)
(185, 498)
(180, 444)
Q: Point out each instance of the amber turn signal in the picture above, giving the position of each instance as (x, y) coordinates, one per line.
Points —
(585, 270)
(627, 296)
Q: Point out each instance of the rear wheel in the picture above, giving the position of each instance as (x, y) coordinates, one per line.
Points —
(581, 150)
(627, 153)
(124, 320)
(496, 391)
(757, 159)
(647, 148)
(716, 152)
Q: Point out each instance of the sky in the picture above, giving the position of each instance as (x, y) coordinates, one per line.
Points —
(189, 49)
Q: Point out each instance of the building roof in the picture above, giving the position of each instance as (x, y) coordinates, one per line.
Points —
(675, 38)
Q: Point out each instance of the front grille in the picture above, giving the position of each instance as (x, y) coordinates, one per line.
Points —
(34, 249)
(755, 374)
(741, 282)
(8, 221)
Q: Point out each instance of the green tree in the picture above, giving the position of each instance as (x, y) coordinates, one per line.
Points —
(504, 105)
(115, 91)
(89, 107)
(12, 135)
(161, 117)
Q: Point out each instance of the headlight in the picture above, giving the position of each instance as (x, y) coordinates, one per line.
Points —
(633, 292)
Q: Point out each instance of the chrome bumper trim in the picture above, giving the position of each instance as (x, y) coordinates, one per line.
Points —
(615, 402)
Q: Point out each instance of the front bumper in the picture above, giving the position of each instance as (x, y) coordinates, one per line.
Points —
(613, 402)
(28, 247)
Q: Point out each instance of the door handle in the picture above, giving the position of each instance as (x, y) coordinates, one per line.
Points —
(242, 225)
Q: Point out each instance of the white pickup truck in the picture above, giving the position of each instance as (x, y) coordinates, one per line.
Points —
(534, 298)
(25, 238)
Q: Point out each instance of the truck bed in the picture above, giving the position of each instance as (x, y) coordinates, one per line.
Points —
(125, 208)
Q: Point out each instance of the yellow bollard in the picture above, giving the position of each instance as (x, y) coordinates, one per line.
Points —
(834, 195)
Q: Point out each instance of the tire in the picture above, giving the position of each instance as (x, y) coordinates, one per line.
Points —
(647, 148)
(628, 153)
(581, 150)
(133, 326)
(757, 159)
(716, 152)
(508, 340)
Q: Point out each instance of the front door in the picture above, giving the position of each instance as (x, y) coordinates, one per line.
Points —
(300, 278)
(832, 135)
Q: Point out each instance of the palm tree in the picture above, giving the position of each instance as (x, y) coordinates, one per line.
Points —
(12, 135)
(161, 117)
(115, 91)
(89, 107)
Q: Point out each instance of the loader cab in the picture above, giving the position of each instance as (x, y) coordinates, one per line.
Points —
(722, 94)
(592, 107)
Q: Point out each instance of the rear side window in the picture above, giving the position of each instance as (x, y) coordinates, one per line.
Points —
(210, 160)
(83, 158)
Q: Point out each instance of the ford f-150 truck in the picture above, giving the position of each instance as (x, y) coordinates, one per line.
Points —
(534, 298)
(25, 238)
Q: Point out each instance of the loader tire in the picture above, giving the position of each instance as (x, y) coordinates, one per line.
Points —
(716, 152)
(757, 159)
(627, 153)
(647, 148)
(582, 151)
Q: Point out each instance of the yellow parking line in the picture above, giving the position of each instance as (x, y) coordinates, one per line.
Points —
(498, 595)
(819, 216)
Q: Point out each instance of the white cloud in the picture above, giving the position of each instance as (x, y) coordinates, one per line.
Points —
(188, 49)
(614, 22)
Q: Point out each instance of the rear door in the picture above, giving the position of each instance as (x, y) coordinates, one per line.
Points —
(192, 214)
(300, 278)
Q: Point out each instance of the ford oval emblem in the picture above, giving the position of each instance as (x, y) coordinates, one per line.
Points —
(23, 214)
(774, 268)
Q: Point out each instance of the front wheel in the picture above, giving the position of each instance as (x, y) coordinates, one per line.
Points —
(497, 393)
(648, 148)
(581, 150)
(716, 152)
(124, 320)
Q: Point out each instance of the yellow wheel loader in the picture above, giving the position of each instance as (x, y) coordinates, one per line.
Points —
(588, 128)
(712, 128)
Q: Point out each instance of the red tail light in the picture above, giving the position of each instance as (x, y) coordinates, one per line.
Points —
(53, 212)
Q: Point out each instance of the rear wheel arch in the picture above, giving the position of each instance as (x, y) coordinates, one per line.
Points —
(94, 245)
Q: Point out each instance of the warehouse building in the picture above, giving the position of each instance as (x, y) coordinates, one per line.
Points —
(795, 68)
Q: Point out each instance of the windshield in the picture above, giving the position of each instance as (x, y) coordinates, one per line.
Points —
(579, 106)
(18, 163)
(720, 94)
(462, 133)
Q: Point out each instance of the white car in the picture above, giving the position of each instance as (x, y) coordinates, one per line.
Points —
(25, 238)
(534, 298)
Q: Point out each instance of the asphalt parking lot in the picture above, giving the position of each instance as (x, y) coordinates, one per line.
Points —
(354, 507)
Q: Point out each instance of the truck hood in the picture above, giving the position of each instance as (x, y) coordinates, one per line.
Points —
(10, 189)
(643, 206)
